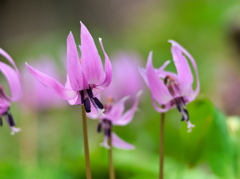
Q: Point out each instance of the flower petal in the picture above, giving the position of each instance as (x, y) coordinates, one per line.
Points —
(14, 82)
(119, 143)
(158, 89)
(9, 58)
(160, 109)
(128, 115)
(74, 69)
(91, 61)
(142, 72)
(116, 111)
(183, 69)
(108, 69)
(50, 82)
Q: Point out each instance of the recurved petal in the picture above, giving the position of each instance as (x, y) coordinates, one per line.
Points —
(116, 111)
(158, 89)
(183, 69)
(128, 115)
(160, 109)
(9, 58)
(14, 82)
(119, 143)
(74, 68)
(51, 83)
(91, 61)
(108, 69)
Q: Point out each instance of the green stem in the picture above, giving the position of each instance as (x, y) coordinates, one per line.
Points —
(110, 155)
(161, 152)
(86, 148)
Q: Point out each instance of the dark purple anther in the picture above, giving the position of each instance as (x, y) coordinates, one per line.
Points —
(98, 103)
(90, 93)
(87, 105)
(10, 120)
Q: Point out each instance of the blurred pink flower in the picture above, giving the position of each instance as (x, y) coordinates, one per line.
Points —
(13, 78)
(170, 90)
(85, 75)
(39, 97)
(126, 79)
(114, 115)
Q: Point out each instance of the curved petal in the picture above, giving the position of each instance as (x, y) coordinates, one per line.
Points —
(50, 82)
(116, 111)
(74, 69)
(128, 115)
(162, 68)
(184, 71)
(108, 69)
(119, 143)
(77, 99)
(160, 109)
(9, 58)
(157, 87)
(13, 80)
(91, 61)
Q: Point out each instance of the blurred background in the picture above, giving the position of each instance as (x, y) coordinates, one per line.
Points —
(51, 143)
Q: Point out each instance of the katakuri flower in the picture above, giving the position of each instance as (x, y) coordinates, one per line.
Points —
(170, 90)
(85, 75)
(13, 78)
(114, 115)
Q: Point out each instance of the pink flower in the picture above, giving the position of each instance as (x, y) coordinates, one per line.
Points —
(85, 75)
(126, 79)
(41, 97)
(170, 90)
(13, 79)
(114, 115)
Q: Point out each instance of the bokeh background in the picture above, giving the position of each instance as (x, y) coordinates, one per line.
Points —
(51, 144)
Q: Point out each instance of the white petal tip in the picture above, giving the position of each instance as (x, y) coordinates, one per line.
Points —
(15, 130)
(100, 112)
(105, 145)
(100, 39)
(190, 126)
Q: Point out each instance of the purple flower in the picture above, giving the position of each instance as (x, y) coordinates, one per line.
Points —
(170, 90)
(85, 75)
(126, 79)
(13, 79)
(114, 115)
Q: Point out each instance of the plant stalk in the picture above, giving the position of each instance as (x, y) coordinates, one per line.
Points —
(110, 156)
(86, 148)
(161, 147)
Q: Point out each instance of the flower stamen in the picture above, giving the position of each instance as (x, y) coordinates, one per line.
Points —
(87, 97)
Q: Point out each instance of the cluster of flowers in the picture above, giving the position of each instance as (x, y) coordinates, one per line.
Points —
(86, 78)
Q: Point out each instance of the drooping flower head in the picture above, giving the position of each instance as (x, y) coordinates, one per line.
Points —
(170, 90)
(41, 97)
(115, 115)
(11, 73)
(85, 75)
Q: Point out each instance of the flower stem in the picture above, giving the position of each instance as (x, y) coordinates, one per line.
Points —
(86, 148)
(161, 152)
(110, 156)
